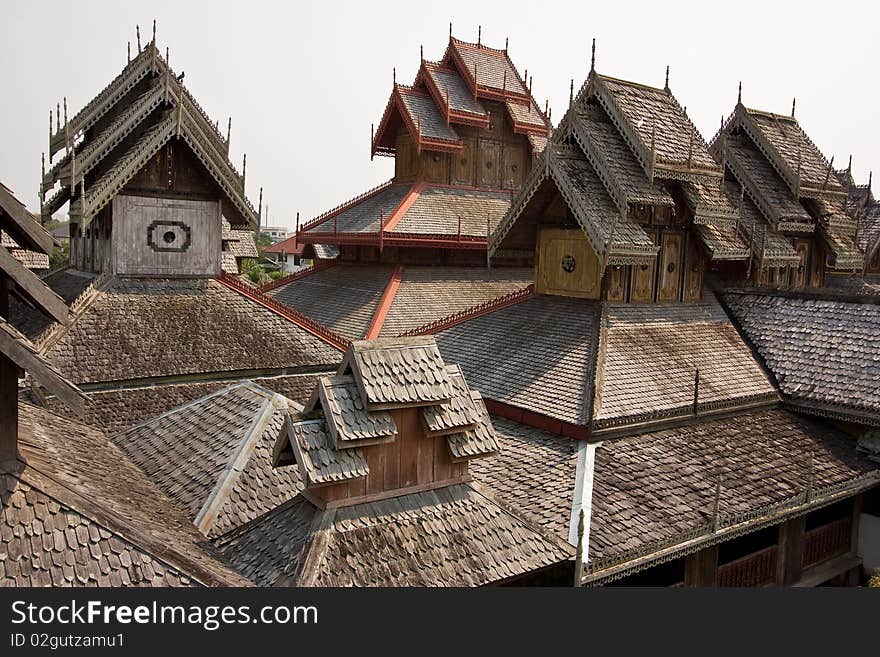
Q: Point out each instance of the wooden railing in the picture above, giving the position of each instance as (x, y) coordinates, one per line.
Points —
(756, 569)
(827, 541)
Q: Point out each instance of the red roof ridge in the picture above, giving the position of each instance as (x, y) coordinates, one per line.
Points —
(295, 276)
(307, 323)
(411, 197)
(485, 308)
(385, 304)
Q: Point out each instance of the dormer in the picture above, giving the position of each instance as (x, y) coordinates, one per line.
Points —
(395, 419)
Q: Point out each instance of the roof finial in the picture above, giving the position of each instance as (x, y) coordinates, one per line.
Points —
(228, 134)
(870, 178)
(550, 114)
(506, 41)
(571, 93)
(666, 85)
(450, 29)
(138, 30)
(65, 110)
(297, 222)
(849, 165)
(421, 52)
(530, 85)
(739, 94)
(479, 35)
(503, 83)
(546, 105)
(154, 33)
(793, 103)
(394, 75)
(243, 169)
(260, 205)
(128, 53)
(593, 57)
(58, 117)
(372, 139)
(168, 55)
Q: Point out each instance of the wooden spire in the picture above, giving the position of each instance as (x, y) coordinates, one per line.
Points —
(793, 104)
(479, 35)
(128, 54)
(593, 57)
(506, 42)
(666, 85)
(297, 223)
(450, 29)
(57, 117)
(394, 75)
(421, 52)
(739, 94)
(228, 134)
(138, 31)
(571, 94)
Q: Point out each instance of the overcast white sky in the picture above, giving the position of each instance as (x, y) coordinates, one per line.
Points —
(303, 82)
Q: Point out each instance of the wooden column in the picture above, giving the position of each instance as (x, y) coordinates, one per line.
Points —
(789, 562)
(9, 372)
(700, 568)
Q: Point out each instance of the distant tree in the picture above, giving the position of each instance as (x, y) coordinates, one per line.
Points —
(60, 257)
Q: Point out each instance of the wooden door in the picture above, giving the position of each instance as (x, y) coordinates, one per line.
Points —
(489, 164)
(799, 277)
(693, 270)
(615, 288)
(513, 166)
(669, 282)
(641, 285)
(463, 164)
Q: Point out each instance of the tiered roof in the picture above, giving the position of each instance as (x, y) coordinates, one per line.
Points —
(622, 146)
(794, 187)
(118, 131)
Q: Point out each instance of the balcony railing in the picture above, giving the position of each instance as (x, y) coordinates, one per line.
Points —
(758, 569)
(827, 542)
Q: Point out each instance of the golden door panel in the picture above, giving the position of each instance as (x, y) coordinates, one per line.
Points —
(489, 164)
(616, 286)
(463, 164)
(669, 287)
(693, 272)
(567, 265)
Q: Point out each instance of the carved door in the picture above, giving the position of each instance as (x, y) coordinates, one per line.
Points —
(669, 286)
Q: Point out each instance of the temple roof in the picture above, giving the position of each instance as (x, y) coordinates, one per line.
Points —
(824, 354)
(125, 329)
(79, 514)
(30, 259)
(118, 132)
(452, 536)
(213, 456)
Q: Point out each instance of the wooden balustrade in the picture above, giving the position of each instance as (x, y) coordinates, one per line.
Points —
(827, 541)
(757, 569)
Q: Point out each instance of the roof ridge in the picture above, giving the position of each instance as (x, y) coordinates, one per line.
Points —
(329, 214)
(226, 480)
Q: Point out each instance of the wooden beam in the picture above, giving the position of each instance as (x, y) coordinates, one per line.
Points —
(18, 349)
(31, 287)
(789, 561)
(21, 225)
(701, 567)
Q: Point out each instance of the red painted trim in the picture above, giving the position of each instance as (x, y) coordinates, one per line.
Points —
(485, 308)
(451, 241)
(306, 323)
(411, 197)
(537, 420)
(385, 304)
(455, 116)
(284, 280)
(321, 218)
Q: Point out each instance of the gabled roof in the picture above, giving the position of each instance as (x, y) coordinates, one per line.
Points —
(79, 513)
(766, 188)
(213, 456)
(319, 462)
(291, 245)
(460, 412)
(608, 153)
(661, 136)
(422, 118)
(146, 123)
(616, 239)
(348, 421)
(30, 259)
(452, 94)
(489, 72)
(824, 354)
(790, 151)
(768, 247)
